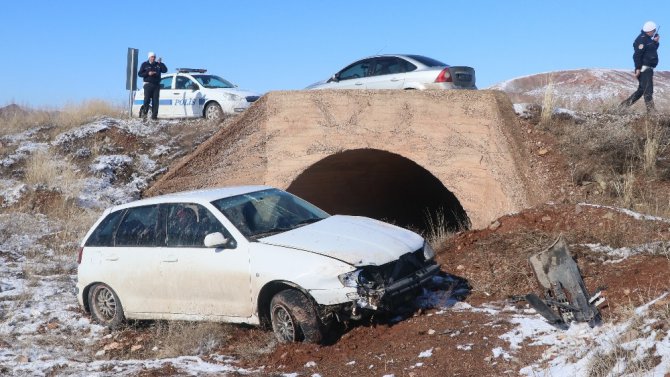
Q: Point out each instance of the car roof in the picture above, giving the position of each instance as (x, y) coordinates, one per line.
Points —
(404, 56)
(410, 57)
(196, 196)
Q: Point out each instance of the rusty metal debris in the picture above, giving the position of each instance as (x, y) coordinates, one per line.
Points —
(566, 298)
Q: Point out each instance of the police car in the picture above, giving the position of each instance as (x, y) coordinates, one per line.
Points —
(192, 93)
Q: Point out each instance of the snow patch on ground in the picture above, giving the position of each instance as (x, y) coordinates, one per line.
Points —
(620, 254)
(11, 191)
(633, 214)
(83, 131)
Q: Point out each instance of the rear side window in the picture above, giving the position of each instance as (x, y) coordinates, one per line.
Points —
(430, 62)
(391, 65)
(103, 235)
(138, 227)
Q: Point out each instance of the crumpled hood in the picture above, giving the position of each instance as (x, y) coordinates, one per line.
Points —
(355, 240)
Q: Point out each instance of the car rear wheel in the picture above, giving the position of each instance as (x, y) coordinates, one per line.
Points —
(294, 318)
(213, 111)
(105, 306)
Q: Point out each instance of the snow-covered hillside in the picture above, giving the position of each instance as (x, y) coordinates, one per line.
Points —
(584, 89)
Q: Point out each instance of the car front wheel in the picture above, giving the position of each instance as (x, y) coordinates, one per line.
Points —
(213, 111)
(294, 318)
(105, 306)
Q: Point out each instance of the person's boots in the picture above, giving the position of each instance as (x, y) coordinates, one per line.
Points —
(624, 105)
(651, 108)
(143, 112)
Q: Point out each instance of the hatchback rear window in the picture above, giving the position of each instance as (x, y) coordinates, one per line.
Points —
(103, 235)
(430, 62)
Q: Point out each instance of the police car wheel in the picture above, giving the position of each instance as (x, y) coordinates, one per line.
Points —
(213, 111)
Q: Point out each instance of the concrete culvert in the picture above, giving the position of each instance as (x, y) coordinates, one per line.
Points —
(463, 144)
(381, 185)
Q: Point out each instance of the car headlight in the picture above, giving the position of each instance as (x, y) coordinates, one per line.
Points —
(350, 279)
(234, 97)
(428, 251)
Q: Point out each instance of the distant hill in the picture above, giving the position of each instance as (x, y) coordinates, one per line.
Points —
(585, 89)
(12, 110)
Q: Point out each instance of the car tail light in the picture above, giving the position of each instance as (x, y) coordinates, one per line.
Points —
(444, 76)
(81, 253)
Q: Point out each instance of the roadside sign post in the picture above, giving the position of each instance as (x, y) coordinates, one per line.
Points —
(131, 77)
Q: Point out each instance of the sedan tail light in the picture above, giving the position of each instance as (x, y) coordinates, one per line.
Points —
(81, 253)
(444, 76)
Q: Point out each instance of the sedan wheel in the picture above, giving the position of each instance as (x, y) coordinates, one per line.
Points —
(294, 318)
(105, 306)
(283, 324)
(213, 111)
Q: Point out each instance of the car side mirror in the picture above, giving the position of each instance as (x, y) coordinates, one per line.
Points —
(334, 78)
(195, 87)
(216, 240)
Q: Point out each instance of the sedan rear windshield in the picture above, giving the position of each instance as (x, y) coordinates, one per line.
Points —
(213, 82)
(430, 62)
(264, 213)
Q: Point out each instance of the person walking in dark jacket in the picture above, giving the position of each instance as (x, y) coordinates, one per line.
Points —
(151, 71)
(645, 58)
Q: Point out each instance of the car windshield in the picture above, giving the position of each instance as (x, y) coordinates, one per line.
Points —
(213, 82)
(430, 62)
(264, 213)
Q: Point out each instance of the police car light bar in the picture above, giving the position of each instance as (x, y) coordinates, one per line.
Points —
(186, 70)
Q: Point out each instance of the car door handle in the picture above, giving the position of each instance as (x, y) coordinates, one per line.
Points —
(395, 79)
(358, 83)
(170, 259)
(112, 258)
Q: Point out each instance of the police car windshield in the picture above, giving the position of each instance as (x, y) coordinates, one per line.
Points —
(213, 82)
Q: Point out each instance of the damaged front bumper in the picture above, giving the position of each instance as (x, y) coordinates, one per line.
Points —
(382, 288)
(387, 296)
(378, 291)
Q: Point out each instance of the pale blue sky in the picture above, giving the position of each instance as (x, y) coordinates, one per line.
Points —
(59, 52)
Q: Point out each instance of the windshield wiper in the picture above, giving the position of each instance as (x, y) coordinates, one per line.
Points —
(306, 221)
(269, 232)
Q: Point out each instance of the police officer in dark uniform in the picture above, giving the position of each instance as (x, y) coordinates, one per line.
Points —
(645, 58)
(151, 72)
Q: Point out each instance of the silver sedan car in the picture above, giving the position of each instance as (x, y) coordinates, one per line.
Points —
(400, 72)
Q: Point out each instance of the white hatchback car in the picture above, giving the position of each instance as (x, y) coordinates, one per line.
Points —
(249, 254)
(191, 93)
(400, 72)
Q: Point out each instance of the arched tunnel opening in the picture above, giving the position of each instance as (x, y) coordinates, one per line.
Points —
(381, 185)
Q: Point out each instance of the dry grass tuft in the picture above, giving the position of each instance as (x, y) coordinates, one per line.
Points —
(74, 115)
(505, 277)
(655, 143)
(46, 169)
(70, 116)
(257, 343)
(624, 187)
(176, 338)
(19, 121)
(621, 362)
(548, 103)
(438, 231)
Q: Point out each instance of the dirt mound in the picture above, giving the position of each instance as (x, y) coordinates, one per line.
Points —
(495, 260)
